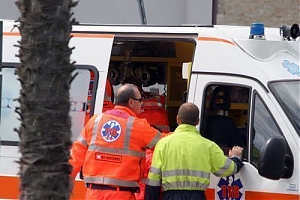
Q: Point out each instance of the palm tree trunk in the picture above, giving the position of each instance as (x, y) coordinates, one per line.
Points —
(45, 75)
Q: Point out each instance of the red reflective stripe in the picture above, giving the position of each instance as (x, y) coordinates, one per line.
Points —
(212, 39)
(76, 35)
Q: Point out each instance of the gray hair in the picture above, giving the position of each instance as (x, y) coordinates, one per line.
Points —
(125, 93)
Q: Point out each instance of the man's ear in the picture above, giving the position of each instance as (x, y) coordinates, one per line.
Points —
(129, 103)
(198, 121)
(178, 120)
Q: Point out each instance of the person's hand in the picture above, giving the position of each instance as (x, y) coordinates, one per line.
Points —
(236, 151)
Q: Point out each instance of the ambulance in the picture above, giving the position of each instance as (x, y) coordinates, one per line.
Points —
(245, 80)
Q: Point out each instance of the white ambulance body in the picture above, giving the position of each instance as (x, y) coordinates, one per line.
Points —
(248, 92)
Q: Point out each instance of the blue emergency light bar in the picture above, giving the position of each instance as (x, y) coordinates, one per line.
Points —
(257, 31)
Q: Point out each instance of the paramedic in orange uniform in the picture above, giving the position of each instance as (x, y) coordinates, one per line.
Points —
(111, 148)
(108, 97)
(153, 110)
(89, 98)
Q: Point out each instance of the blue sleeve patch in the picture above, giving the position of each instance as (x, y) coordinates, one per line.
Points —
(293, 68)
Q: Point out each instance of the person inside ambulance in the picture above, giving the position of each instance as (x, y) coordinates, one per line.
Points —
(108, 97)
(153, 110)
(153, 106)
(113, 154)
(89, 98)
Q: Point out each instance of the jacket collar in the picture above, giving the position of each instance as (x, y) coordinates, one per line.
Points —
(126, 110)
(186, 128)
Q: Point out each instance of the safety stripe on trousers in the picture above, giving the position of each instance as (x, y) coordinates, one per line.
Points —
(110, 181)
(225, 167)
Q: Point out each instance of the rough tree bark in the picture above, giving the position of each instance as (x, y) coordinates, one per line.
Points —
(45, 75)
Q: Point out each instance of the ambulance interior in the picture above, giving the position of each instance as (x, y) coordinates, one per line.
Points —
(158, 64)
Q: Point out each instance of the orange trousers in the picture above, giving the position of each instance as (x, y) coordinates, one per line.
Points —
(92, 194)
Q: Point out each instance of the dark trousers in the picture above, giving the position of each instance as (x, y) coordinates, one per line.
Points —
(183, 195)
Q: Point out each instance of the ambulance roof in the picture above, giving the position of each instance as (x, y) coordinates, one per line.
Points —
(270, 59)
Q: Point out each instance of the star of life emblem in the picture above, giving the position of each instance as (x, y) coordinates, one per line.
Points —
(230, 188)
(111, 131)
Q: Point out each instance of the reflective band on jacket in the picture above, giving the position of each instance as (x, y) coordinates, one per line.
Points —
(185, 184)
(225, 168)
(82, 141)
(155, 170)
(123, 151)
(180, 172)
(186, 172)
(150, 104)
(120, 151)
(155, 140)
(153, 182)
(163, 128)
(110, 181)
(179, 184)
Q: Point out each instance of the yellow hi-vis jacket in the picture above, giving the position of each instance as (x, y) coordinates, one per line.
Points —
(184, 160)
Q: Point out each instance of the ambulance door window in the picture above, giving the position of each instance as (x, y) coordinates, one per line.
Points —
(9, 118)
(79, 100)
(11, 90)
(264, 127)
(225, 115)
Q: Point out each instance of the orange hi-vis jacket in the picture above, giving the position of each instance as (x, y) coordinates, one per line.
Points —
(154, 111)
(111, 148)
(107, 103)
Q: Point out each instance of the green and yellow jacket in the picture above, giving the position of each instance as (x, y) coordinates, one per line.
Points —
(185, 159)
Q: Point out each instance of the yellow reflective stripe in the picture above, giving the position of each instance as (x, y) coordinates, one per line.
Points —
(178, 185)
(120, 151)
(95, 128)
(128, 132)
(186, 172)
(155, 170)
(110, 181)
(225, 167)
(155, 140)
(234, 168)
(153, 182)
(82, 140)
